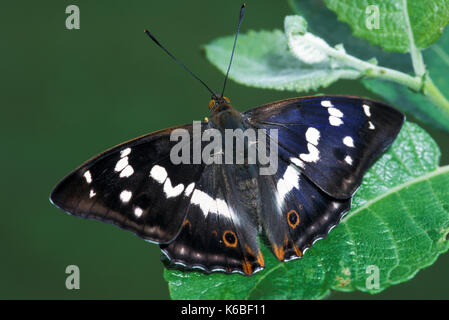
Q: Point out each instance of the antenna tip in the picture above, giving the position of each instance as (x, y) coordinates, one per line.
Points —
(145, 30)
(243, 5)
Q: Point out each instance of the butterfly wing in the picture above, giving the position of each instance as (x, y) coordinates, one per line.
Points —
(220, 231)
(295, 212)
(325, 145)
(332, 139)
(134, 186)
(192, 210)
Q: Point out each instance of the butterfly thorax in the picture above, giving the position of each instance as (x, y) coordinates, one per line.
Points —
(224, 116)
(239, 178)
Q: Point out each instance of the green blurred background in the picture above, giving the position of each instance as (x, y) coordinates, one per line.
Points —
(67, 95)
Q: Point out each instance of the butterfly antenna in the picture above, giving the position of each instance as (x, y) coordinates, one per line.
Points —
(178, 62)
(242, 11)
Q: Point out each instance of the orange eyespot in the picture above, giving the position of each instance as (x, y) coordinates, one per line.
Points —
(211, 104)
(227, 99)
(293, 219)
(229, 238)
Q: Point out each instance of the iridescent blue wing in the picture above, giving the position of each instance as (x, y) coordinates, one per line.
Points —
(325, 144)
(333, 140)
(295, 212)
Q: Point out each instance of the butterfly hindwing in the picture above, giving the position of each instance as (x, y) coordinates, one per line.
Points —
(296, 212)
(134, 186)
(220, 230)
(332, 139)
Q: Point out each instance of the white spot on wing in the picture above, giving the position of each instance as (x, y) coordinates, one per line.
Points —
(128, 171)
(208, 204)
(189, 189)
(326, 103)
(348, 141)
(138, 212)
(121, 164)
(88, 176)
(335, 121)
(297, 162)
(348, 160)
(214, 207)
(371, 125)
(92, 193)
(158, 173)
(291, 176)
(222, 208)
(289, 180)
(312, 135)
(334, 117)
(335, 112)
(203, 200)
(125, 196)
(125, 152)
(312, 156)
(171, 191)
(366, 109)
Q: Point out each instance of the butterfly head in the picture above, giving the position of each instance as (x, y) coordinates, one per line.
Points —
(221, 108)
(217, 101)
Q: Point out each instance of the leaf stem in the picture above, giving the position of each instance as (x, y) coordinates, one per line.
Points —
(435, 96)
(374, 71)
(422, 84)
(305, 46)
(414, 83)
(417, 60)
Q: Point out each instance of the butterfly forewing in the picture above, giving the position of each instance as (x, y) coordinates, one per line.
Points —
(332, 139)
(135, 186)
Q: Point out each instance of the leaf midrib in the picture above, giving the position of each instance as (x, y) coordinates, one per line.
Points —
(425, 177)
(408, 26)
(279, 265)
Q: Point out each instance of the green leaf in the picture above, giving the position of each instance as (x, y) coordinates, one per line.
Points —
(437, 61)
(399, 222)
(263, 60)
(411, 102)
(323, 23)
(402, 24)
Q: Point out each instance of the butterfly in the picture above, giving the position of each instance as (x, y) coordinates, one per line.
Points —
(210, 215)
